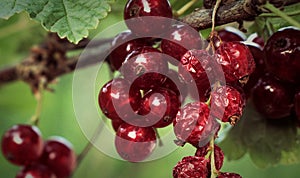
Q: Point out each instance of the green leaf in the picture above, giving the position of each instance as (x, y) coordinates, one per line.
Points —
(71, 19)
(11, 7)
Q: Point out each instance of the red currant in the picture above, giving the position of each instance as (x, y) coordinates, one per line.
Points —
(35, 171)
(229, 175)
(134, 143)
(283, 55)
(194, 125)
(116, 124)
(22, 144)
(236, 60)
(59, 156)
(155, 102)
(228, 34)
(191, 166)
(196, 67)
(218, 154)
(122, 45)
(143, 8)
(272, 98)
(179, 40)
(227, 104)
(116, 95)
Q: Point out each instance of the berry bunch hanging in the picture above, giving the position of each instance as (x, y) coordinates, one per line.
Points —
(150, 94)
(23, 146)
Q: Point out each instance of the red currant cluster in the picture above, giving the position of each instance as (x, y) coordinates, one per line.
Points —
(23, 145)
(152, 88)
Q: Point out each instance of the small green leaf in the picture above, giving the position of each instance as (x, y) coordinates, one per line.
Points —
(69, 18)
(11, 7)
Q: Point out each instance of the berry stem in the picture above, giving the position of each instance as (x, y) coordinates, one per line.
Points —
(39, 98)
(89, 145)
(281, 14)
(213, 20)
(183, 9)
(214, 172)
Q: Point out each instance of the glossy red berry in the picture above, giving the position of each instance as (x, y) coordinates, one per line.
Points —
(145, 67)
(178, 40)
(22, 144)
(229, 175)
(256, 39)
(116, 124)
(59, 156)
(122, 45)
(283, 55)
(148, 8)
(134, 143)
(197, 68)
(272, 98)
(116, 99)
(36, 171)
(236, 60)
(175, 83)
(228, 34)
(227, 103)
(194, 125)
(191, 166)
(155, 102)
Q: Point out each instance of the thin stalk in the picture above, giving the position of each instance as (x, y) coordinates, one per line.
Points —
(186, 7)
(281, 14)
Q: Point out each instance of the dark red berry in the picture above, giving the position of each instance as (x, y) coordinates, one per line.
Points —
(227, 103)
(260, 69)
(134, 143)
(219, 155)
(135, 9)
(228, 34)
(117, 100)
(236, 60)
(178, 40)
(191, 166)
(197, 68)
(59, 156)
(297, 104)
(155, 102)
(22, 144)
(116, 124)
(228, 175)
(143, 61)
(175, 83)
(122, 45)
(194, 125)
(283, 55)
(36, 171)
(272, 98)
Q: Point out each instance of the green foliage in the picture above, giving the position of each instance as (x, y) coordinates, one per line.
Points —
(70, 19)
(268, 143)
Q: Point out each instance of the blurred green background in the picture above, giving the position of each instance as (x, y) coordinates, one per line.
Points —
(17, 105)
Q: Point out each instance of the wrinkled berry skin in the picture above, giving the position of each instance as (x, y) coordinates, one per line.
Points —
(123, 44)
(236, 60)
(197, 68)
(229, 175)
(117, 95)
(155, 102)
(179, 40)
(134, 143)
(193, 124)
(22, 144)
(191, 166)
(146, 8)
(272, 98)
(219, 154)
(35, 171)
(283, 55)
(227, 103)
